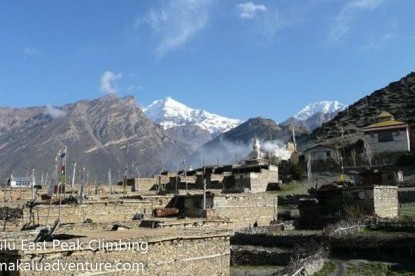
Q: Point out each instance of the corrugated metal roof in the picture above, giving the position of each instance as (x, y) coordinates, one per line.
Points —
(21, 179)
(319, 145)
(385, 114)
(385, 124)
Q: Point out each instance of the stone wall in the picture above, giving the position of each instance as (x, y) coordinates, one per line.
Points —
(361, 197)
(13, 222)
(167, 254)
(183, 183)
(213, 181)
(15, 193)
(379, 200)
(256, 182)
(260, 181)
(146, 184)
(99, 211)
(242, 210)
(259, 256)
(242, 182)
(151, 183)
(386, 202)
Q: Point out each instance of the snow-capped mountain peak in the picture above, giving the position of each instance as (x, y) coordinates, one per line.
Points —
(162, 109)
(170, 113)
(325, 107)
(315, 114)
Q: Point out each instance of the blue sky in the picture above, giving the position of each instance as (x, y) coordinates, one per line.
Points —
(236, 58)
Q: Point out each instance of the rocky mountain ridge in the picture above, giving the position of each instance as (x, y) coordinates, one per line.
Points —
(101, 134)
(398, 98)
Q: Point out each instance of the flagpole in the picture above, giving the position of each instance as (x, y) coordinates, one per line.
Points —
(309, 168)
(73, 175)
(125, 179)
(87, 181)
(56, 177)
(110, 181)
(81, 187)
(33, 183)
(63, 171)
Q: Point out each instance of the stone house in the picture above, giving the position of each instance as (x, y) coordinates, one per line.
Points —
(253, 178)
(379, 177)
(387, 135)
(194, 179)
(252, 175)
(214, 176)
(379, 200)
(335, 202)
(321, 152)
(241, 210)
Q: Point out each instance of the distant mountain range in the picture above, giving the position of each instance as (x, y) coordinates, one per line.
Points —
(314, 115)
(188, 125)
(108, 132)
(101, 134)
(170, 113)
(196, 127)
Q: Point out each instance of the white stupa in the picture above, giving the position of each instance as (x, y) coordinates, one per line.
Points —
(256, 150)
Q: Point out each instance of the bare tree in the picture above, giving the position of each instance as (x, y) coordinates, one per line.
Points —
(309, 167)
(337, 156)
(353, 154)
(368, 154)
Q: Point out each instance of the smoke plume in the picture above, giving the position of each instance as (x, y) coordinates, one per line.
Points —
(228, 152)
(54, 112)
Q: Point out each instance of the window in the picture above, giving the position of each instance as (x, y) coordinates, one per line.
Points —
(385, 136)
(328, 154)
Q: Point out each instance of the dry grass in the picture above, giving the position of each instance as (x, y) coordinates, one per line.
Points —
(407, 210)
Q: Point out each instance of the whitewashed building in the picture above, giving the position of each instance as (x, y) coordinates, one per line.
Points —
(15, 181)
(387, 135)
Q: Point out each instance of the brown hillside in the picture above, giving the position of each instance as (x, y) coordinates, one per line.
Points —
(397, 98)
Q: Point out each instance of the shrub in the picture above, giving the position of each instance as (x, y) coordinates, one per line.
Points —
(353, 213)
(406, 159)
(290, 171)
(327, 269)
(296, 172)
